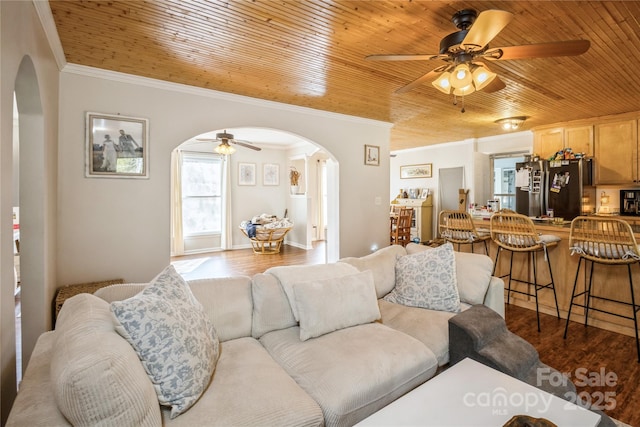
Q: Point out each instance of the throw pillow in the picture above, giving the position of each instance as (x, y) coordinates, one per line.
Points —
(428, 280)
(331, 304)
(173, 338)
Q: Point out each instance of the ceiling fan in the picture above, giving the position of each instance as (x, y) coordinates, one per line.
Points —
(463, 73)
(226, 139)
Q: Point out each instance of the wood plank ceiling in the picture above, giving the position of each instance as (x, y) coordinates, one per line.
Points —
(311, 53)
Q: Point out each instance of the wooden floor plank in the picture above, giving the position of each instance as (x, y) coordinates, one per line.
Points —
(585, 352)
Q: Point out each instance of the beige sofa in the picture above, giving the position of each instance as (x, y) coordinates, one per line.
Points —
(276, 366)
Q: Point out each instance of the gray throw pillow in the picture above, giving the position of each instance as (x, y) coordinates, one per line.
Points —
(428, 280)
(173, 337)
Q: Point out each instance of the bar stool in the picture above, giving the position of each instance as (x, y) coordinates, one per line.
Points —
(457, 227)
(607, 241)
(513, 232)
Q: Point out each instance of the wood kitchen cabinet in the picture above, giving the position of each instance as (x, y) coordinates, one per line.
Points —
(579, 139)
(548, 142)
(616, 152)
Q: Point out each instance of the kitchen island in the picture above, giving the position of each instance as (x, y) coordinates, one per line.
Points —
(608, 281)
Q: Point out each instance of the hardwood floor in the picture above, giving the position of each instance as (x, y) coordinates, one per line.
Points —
(587, 355)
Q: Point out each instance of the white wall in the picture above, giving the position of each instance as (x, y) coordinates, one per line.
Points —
(96, 244)
(23, 42)
(471, 154)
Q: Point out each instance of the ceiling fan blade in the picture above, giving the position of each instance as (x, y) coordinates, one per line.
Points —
(207, 139)
(488, 24)
(539, 50)
(417, 82)
(401, 57)
(247, 145)
(495, 85)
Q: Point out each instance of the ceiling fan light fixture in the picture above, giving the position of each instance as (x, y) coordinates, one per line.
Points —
(442, 83)
(224, 148)
(482, 77)
(511, 123)
(462, 91)
(461, 76)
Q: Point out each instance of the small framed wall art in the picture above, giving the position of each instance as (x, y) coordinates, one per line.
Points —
(270, 174)
(246, 174)
(116, 146)
(372, 155)
(416, 171)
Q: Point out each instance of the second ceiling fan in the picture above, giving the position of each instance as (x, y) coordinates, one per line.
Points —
(226, 139)
(462, 51)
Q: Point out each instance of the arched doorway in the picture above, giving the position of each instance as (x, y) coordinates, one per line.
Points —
(316, 205)
(30, 198)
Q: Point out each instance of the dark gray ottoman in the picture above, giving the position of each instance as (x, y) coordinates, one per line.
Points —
(480, 333)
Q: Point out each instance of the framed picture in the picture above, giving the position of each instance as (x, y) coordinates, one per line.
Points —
(372, 155)
(416, 171)
(424, 193)
(116, 146)
(246, 174)
(270, 174)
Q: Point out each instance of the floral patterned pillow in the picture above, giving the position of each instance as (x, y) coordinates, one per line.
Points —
(173, 337)
(428, 280)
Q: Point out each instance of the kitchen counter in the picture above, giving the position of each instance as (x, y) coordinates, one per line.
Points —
(563, 267)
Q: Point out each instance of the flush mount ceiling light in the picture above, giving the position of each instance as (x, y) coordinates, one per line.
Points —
(511, 123)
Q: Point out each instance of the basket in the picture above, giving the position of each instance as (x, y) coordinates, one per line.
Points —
(267, 240)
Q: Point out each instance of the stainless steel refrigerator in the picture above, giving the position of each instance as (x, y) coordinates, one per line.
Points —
(531, 181)
(570, 188)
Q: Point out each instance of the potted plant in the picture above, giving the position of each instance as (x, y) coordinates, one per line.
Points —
(294, 178)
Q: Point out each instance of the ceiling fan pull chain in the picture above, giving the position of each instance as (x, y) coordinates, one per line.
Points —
(463, 110)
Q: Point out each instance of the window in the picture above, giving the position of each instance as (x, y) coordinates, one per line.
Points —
(201, 194)
(504, 178)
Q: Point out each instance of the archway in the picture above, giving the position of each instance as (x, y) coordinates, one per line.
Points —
(279, 148)
(32, 206)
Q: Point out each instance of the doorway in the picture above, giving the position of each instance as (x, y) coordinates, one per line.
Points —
(313, 211)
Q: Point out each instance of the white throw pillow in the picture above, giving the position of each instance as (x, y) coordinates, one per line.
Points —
(428, 280)
(331, 304)
(173, 337)
(291, 274)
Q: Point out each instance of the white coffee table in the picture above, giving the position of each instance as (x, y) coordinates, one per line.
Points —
(472, 394)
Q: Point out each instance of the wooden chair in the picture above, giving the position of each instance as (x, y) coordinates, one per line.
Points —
(516, 233)
(400, 233)
(458, 227)
(607, 241)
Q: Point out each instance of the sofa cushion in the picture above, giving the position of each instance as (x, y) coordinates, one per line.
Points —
(96, 377)
(227, 301)
(331, 304)
(291, 274)
(473, 273)
(430, 327)
(383, 264)
(271, 308)
(352, 372)
(428, 280)
(249, 388)
(173, 337)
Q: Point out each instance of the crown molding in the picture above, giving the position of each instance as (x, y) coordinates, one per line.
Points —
(51, 32)
(230, 97)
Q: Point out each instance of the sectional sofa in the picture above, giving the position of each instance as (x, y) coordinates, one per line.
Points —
(294, 346)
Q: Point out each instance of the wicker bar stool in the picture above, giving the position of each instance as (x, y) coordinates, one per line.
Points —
(457, 227)
(607, 241)
(516, 233)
